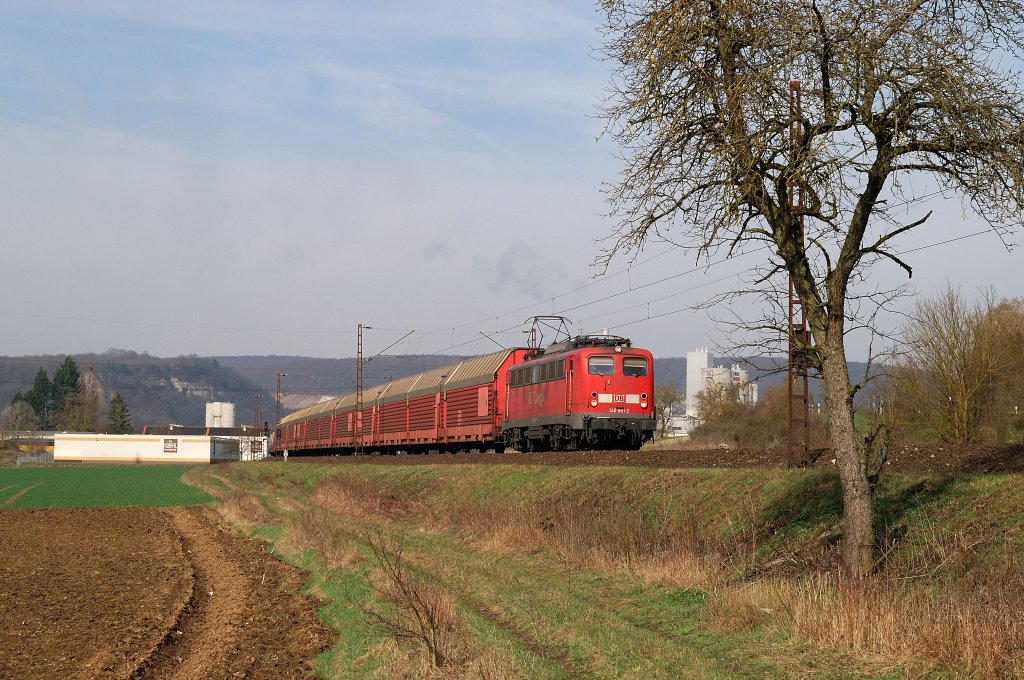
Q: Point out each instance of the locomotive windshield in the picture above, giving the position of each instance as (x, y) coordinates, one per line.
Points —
(634, 366)
(601, 365)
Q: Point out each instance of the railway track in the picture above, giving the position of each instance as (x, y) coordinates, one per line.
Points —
(929, 459)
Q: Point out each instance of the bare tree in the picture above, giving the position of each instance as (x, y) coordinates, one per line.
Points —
(700, 105)
(666, 398)
(717, 401)
(961, 364)
(417, 612)
(19, 417)
(1008, 410)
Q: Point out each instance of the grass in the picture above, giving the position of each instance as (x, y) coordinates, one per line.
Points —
(560, 572)
(557, 572)
(96, 487)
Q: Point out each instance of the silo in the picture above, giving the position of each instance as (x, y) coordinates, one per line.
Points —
(220, 414)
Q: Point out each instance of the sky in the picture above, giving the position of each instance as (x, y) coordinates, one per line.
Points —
(231, 177)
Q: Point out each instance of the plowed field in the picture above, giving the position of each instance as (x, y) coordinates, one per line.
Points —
(146, 593)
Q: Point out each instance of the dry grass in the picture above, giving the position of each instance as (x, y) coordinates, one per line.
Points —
(974, 629)
(360, 500)
(930, 609)
(243, 508)
(404, 663)
(583, 533)
(980, 630)
(643, 543)
(746, 605)
(314, 529)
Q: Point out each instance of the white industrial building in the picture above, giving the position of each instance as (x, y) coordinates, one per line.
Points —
(82, 447)
(701, 372)
(218, 441)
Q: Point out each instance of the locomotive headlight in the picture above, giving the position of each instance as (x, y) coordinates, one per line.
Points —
(593, 402)
(618, 348)
(593, 395)
(643, 404)
(643, 395)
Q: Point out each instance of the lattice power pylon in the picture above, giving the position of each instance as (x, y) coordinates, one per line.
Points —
(357, 416)
(799, 338)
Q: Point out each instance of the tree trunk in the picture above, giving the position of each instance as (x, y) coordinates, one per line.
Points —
(851, 459)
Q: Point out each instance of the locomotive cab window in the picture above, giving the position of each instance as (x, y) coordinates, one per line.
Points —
(634, 366)
(601, 365)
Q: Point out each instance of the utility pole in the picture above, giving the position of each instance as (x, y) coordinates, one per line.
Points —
(357, 419)
(799, 338)
(277, 417)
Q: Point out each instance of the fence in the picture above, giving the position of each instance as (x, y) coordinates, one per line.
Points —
(39, 458)
(31, 435)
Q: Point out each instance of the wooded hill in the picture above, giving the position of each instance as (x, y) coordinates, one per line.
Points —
(158, 390)
(163, 390)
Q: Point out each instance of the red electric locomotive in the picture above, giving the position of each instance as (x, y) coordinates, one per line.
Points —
(587, 392)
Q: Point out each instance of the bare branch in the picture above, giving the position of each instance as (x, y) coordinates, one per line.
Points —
(700, 106)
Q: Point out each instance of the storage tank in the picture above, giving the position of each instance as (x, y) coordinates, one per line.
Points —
(220, 414)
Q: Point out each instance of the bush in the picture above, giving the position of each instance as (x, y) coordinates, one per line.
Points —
(728, 421)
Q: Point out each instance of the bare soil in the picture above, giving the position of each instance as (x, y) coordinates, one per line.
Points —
(147, 593)
(931, 458)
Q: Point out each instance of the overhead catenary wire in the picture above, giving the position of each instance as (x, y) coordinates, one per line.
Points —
(495, 318)
(649, 316)
(453, 346)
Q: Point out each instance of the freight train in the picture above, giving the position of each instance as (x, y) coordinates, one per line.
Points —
(586, 392)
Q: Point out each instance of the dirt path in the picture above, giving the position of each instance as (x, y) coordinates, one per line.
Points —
(144, 593)
(236, 624)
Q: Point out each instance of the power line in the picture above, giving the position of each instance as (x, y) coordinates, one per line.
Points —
(691, 271)
(903, 252)
(648, 317)
(453, 328)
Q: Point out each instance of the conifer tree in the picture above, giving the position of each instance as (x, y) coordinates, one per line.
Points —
(66, 381)
(40, 398)
(118, 418)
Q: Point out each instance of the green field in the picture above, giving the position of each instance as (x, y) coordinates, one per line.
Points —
(96, 487)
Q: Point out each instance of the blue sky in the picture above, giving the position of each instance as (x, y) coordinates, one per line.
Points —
(259, 177)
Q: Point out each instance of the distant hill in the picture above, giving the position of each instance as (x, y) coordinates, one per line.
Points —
(310, 378)
(158, 390)
(176, 389)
